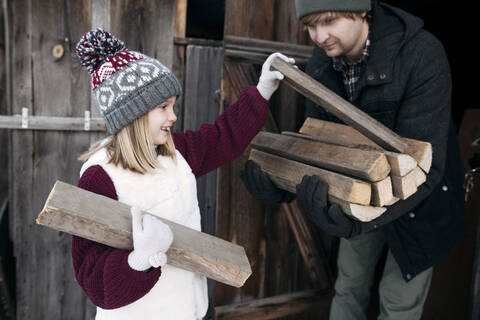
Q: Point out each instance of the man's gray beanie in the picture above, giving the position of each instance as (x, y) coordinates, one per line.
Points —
(306, 7)
(127, 84)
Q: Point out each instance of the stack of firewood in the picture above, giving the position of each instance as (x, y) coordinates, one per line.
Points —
(363, 178)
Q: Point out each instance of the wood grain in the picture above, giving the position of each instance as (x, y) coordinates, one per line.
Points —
(341, 108)
(101, 219)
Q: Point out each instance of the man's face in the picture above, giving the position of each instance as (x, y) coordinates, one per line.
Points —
(340, 36)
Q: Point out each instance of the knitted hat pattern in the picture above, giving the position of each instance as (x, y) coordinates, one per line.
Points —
(126, 84)
(306, 7)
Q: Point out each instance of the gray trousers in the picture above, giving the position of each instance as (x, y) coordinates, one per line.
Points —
(357, 260)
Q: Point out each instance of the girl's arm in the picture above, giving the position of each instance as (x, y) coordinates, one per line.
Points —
(214, 145)
(102, 271)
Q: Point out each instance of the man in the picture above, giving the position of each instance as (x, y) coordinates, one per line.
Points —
(382, 60)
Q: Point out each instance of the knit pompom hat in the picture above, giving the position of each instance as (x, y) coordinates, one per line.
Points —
(306, 7)
(127, 84)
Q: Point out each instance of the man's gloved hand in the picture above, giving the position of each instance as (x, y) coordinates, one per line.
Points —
(269, 80)
(261, 187)
(151, 239)
(312, 196)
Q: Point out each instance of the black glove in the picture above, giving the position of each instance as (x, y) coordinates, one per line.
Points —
(312, 196)
(261, 187)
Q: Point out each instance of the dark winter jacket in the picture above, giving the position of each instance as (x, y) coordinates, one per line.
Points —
(406, 85)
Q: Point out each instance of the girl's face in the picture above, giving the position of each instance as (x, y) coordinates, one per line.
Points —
(161, 119)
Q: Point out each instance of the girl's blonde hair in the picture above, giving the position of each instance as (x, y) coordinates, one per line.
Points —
(132, 147)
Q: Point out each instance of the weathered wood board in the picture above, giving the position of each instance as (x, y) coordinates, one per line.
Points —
(286, 174)
(365, 164)
(86, 214)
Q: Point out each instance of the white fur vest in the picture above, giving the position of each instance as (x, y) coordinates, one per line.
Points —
(171, 193)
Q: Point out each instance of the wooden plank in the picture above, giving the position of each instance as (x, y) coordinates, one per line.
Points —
(257, 50)
(7, 310)
(404, 187)
(180, 18)
(341, 108)
(79, 212)
(202, 75)
(274, 307)
(365, 164)
(286, 174)
(19, 95)
(313, 256)
(382, 193)
(234, 205)
(202, 79)
(52, 123)
(400, 164)
(359, 212)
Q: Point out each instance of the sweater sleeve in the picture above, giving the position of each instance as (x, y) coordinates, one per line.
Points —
(214, 145)
(102, 271)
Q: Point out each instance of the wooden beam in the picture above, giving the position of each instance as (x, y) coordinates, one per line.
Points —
(305, 236)
(101, 219)
(404, 187)
(266, 47)
(52, 123)
(341, 108)
(359, 212)
(286, 174)
(382, 193)
(180, 28)
(275, 307)
(369, 165)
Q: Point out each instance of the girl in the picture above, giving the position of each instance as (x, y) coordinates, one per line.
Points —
(147, 167)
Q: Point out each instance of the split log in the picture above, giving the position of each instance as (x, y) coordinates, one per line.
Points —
(369, 165)
(359, 212)
(420, 151)
(382, 193)
(104, 220)
(404, 187)
(341, 108)
(286, 174)
(344, 135)
(420, 176)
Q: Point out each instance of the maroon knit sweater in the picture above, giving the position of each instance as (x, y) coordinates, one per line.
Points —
(103, 271)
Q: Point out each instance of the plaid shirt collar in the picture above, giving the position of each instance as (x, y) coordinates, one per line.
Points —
(351, 71)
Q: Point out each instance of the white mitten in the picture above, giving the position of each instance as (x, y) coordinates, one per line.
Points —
(269, 80)
(151, 239)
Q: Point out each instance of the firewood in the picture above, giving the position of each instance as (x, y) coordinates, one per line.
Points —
(369, 165)
(340, 107)
(286, 174)
(420, 176)
(104, 220)
(404, 187)
(344, 135)
(382, 193)
(358, 212)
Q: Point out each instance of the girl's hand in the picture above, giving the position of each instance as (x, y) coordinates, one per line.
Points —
(151, 239)
(269, 80)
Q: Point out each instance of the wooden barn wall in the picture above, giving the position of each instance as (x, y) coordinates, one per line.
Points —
(3, 110)
(46, 288)
(264, 232)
